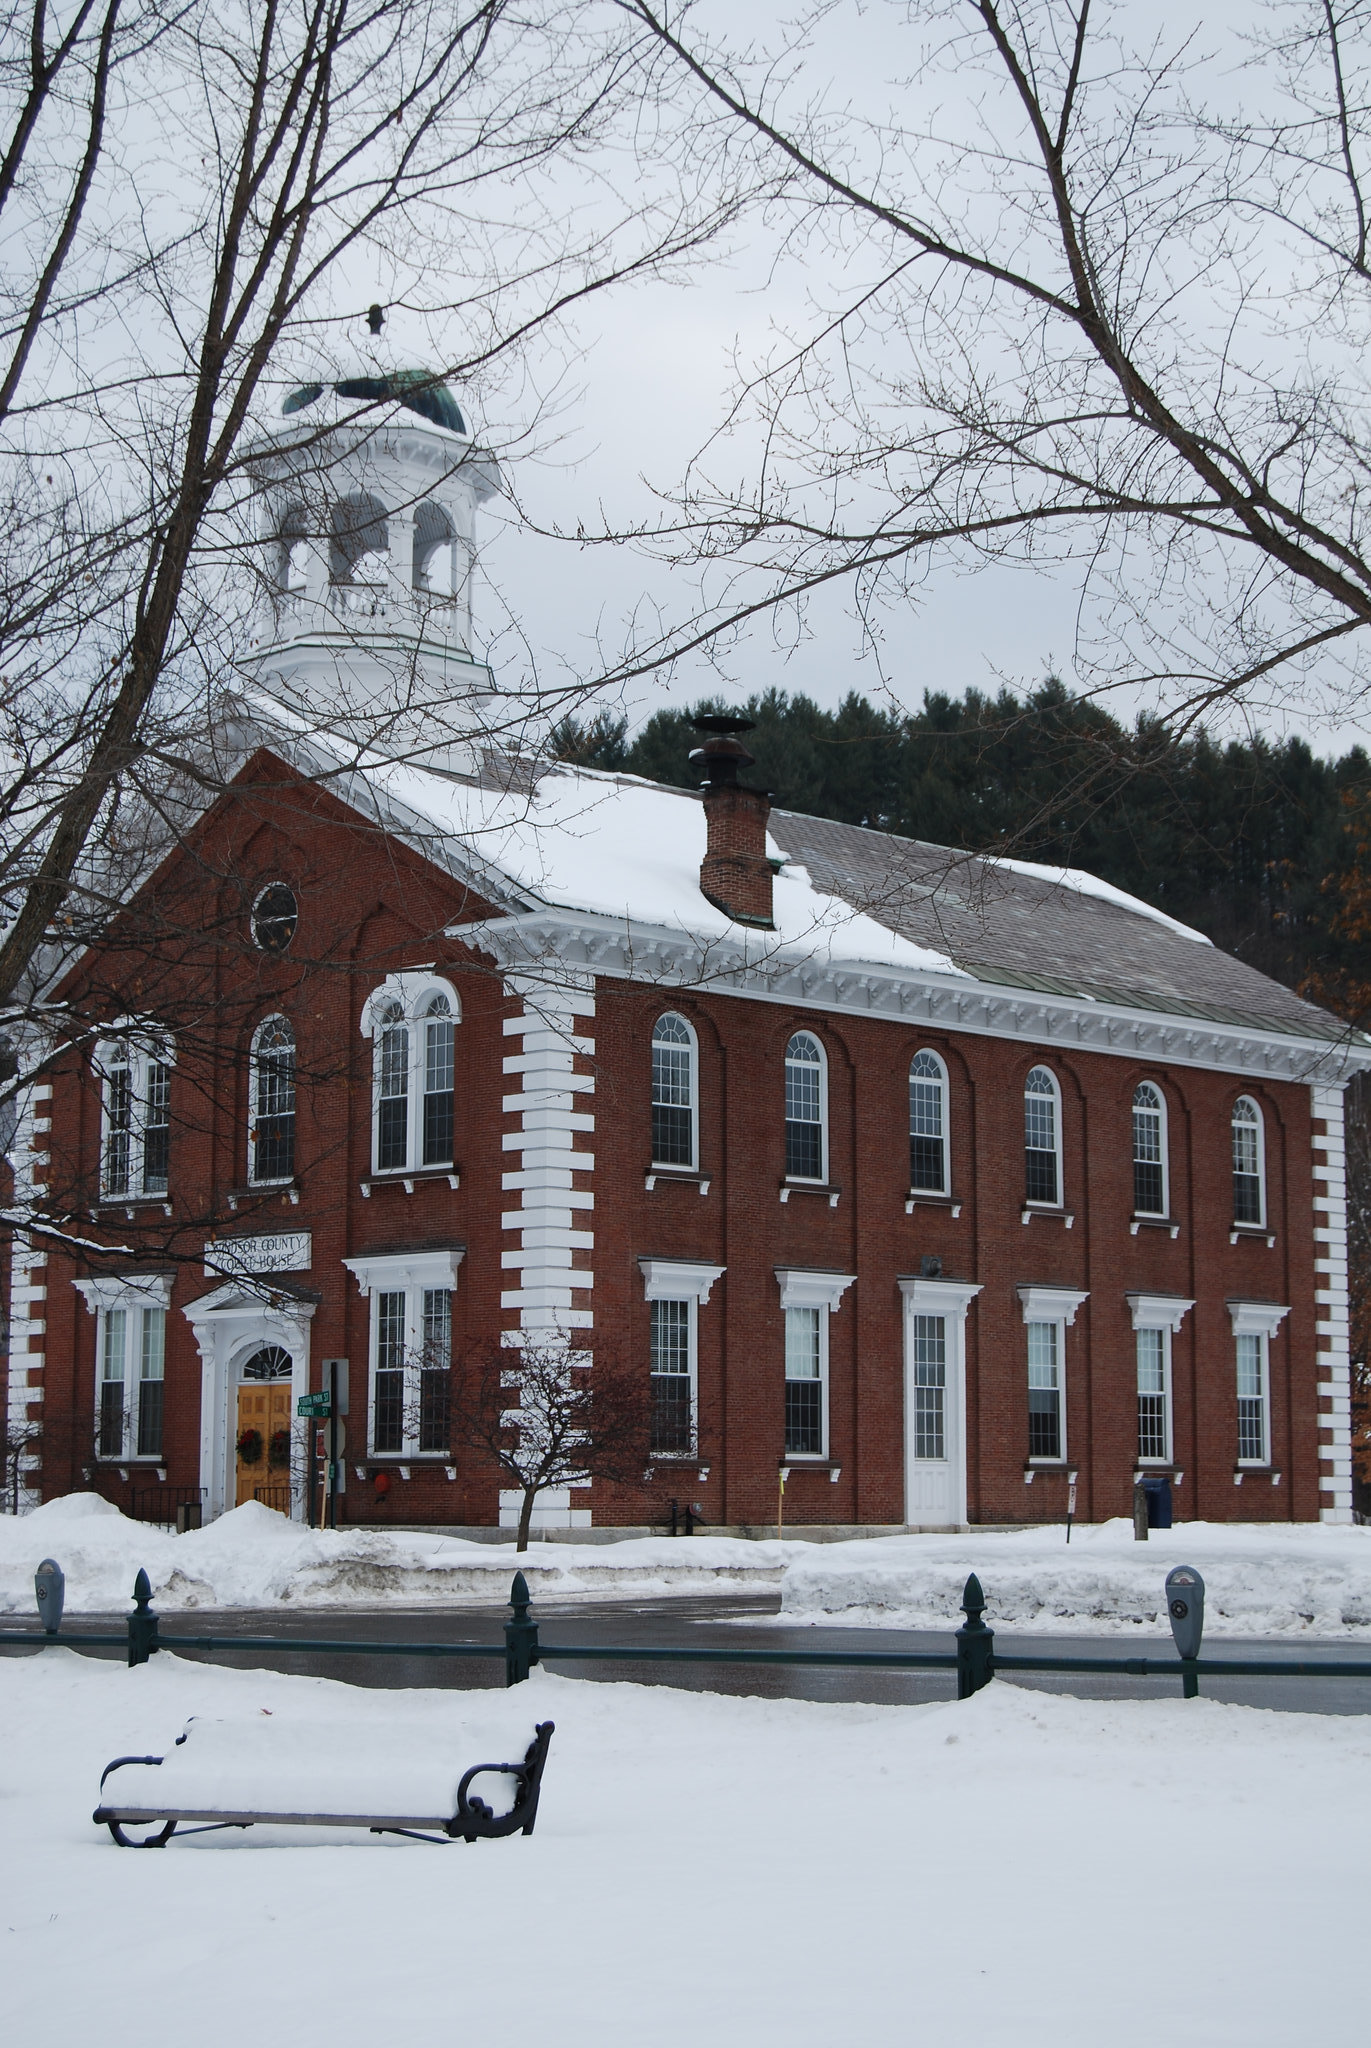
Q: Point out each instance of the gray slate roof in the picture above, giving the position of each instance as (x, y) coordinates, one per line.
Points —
(1023, 932)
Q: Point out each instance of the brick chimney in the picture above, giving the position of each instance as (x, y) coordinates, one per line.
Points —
(735, 874)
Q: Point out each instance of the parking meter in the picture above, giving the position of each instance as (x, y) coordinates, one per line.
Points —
(1185, 1608)
(50, 1591)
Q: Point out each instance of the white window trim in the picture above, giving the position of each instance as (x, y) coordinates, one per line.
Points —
(136, 1046)
(1165, 1460)
(1164, 1312)
(1164, 1144)
(821, 1455)
(1054, 1305)
(949, 1299)
(802, 1287)
(134, 1293)
(819, 1180)
(254, 1062)
(1158, 1311)
(1257, 1318)
(1050, 1208)
(692, 1282)
(693, 1165)
(927, 1052)
(1261, 1223)
(693, 1303)
(411, 1274)
(678, 1279)
(412, 990)
(1263, 1337)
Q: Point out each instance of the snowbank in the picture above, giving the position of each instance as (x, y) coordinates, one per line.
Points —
(1021, 1870)
(1297, 1579)
(253, 1557)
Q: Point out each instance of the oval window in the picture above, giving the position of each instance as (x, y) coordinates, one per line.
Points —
(275, 915)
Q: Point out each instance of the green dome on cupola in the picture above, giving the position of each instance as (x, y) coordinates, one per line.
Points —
(419, 390)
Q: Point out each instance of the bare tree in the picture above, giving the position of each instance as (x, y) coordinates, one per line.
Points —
(196, 199)
(1080, 302)
(548, 1415)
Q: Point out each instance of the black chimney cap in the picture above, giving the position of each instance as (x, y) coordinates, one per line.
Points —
(723, 723)
(376, 318)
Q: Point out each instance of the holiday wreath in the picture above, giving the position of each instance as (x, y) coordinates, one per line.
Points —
(250, 1447)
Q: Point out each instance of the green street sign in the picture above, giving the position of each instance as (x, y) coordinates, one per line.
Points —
(312, 1404)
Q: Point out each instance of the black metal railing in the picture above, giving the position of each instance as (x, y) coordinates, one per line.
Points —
(277, 1497)
(973, 1656)
(158, 1504)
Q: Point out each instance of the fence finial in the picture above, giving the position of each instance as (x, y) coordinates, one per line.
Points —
(142, 1621)
(975, 1643)
(521, 1634)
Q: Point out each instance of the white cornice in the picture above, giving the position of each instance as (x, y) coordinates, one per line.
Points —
(1158, 1311)
(554, 942)
(678, 1279)
(378, 1272)
(939, 1297)
(1257, 1318)
(1051, 1304)
(803, 1287)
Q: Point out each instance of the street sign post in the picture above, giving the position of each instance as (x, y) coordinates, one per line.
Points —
(313, 1404)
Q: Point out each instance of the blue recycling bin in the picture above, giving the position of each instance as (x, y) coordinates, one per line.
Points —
(1157, 1487)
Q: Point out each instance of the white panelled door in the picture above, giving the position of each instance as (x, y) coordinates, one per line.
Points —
(935, 1401)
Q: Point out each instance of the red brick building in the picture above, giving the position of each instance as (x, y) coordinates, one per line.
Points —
(936, 1184)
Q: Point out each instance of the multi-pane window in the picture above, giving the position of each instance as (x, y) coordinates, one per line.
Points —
(1249, 1192)
(805, 1108)
(411, 1371)
(804, 1382)
(929, 1365)
(388, 1387)
(672, 1376)
(1149, 1150)
(271, 1145)
(927, 1124)
(438, 1093)
(1045, 1432)
(1154, 1396)
(1042, 1138)
(131, 1349)
(1254, 1444)
(673, 1092)
(392, 1089)
(414, 1043)
(435, 1370)
(136, 1152)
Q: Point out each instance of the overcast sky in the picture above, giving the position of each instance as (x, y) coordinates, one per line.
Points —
(649, 385)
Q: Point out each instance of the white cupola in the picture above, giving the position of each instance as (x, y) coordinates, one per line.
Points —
(368, 490)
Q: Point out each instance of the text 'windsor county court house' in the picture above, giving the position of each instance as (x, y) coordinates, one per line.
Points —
(937, 1181)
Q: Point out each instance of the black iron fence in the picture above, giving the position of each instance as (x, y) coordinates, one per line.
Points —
(972, 1656)
(163, 1505)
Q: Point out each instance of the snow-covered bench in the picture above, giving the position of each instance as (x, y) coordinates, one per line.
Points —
(288, 1773)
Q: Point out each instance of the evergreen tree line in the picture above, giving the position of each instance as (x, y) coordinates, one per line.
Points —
(1261, 845)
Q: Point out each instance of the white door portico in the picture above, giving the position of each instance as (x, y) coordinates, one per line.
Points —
(231, 1323)
(935, 1401)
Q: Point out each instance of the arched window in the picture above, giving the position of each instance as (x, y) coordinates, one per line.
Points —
(806, 1109)
(1042, 1138)
(275, 915)
(271, 1119)
(928, 1124)
(1249, 1163)
(392, 1089)
(674, 1107)
(434, 570)
(292, 551)
(135, 1155)
(359, 543)
(438, 1057)
(1149, 1150)
(411, 1022)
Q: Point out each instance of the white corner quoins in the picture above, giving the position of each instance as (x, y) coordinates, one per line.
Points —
(548, 1140)
(1331, 1313)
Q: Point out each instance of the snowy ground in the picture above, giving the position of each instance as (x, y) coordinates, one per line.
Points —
(1295, 1579)
(254, 1558)
(1288, 1580)
(1021, 1871)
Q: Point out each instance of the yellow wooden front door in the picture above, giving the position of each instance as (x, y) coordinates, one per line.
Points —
(263, 1407)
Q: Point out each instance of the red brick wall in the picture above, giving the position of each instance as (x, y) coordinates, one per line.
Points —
(368, 907)
(742, 1225)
